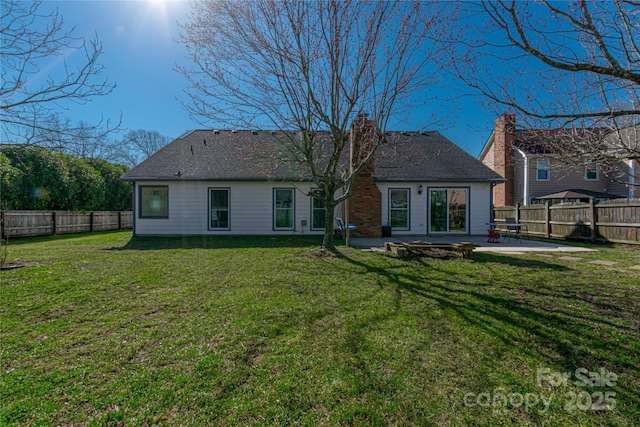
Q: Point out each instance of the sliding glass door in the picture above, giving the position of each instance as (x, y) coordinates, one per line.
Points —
(448, 210)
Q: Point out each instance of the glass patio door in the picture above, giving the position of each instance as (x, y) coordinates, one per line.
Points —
(448, 211)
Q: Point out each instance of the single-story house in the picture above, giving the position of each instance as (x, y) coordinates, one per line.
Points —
(216, 182)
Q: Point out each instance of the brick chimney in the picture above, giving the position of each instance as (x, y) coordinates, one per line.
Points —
(365, 204)
(503, 158)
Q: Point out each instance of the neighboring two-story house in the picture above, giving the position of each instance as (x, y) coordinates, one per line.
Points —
(534, 173)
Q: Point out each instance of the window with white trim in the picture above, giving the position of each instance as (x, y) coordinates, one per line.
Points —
(399, 208)
(219, 208)
(591, 171)
(283, 208)
(543, 170)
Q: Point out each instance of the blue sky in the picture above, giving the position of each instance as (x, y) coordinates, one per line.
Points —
(140, 51)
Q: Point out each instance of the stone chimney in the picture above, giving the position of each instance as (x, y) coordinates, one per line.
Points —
(503, 159)
(365, 204)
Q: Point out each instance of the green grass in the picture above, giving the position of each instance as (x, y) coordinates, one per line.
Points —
(107, 330)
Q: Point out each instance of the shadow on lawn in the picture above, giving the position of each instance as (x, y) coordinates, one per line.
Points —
(219, 242)
(516, 261)
(538, 324)
(18, 241)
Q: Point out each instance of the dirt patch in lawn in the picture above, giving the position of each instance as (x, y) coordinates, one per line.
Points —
(320, 253)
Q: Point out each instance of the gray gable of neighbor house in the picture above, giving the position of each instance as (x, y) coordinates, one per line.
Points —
(247, 155)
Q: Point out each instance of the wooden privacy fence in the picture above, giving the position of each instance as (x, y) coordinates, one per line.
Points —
(612, 221)
(44, 223)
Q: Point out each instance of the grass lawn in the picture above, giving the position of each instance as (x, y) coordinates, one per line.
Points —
(107, 330)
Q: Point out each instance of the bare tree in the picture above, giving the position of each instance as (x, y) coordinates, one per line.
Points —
(31, 97)
(311, 67)
(559, 65)
(137, 145)
(85, 141)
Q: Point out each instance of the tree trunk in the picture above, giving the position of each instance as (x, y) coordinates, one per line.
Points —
(327, 241)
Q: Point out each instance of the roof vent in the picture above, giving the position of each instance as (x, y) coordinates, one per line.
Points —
(406, 133)
(215, 132)
(273, 132)
(234, 131)
(254, 132)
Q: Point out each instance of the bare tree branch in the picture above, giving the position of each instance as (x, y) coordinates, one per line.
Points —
(559, 65)
(137, 145)
(312, 67)
(29, 94)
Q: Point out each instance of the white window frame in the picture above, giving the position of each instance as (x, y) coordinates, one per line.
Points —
(228, 190)
(595, 166)
(407, 209)
(292, 209)
(540, 168)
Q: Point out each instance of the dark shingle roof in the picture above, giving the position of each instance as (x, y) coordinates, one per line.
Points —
(579, 194)
(244, 155)
(212, 155)
(428, 156)
(551, 141)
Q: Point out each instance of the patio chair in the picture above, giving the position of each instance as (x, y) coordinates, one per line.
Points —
(343, 228)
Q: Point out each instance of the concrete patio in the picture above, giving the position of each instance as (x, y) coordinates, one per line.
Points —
(506, 245)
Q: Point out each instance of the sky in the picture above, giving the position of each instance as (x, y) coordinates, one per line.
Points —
(140, 52)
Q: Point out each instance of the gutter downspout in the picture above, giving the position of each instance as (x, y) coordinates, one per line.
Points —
(525, 192)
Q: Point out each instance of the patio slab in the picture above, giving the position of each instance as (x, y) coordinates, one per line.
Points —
(505, 245)
(602, 262)
(570, 258)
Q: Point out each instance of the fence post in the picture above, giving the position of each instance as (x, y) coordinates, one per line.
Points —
(91, 221)
(517, 213)
(593, 226)
(54, 223)
(547, 220)
(119, 220)
(2, 234)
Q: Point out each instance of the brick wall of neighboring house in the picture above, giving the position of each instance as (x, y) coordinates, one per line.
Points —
(365, 204)
(503, 159)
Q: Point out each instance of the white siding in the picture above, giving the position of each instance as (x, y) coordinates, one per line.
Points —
(250, 209)
(479, 209)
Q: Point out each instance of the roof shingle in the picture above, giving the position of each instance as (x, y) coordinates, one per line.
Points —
(246, 156)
